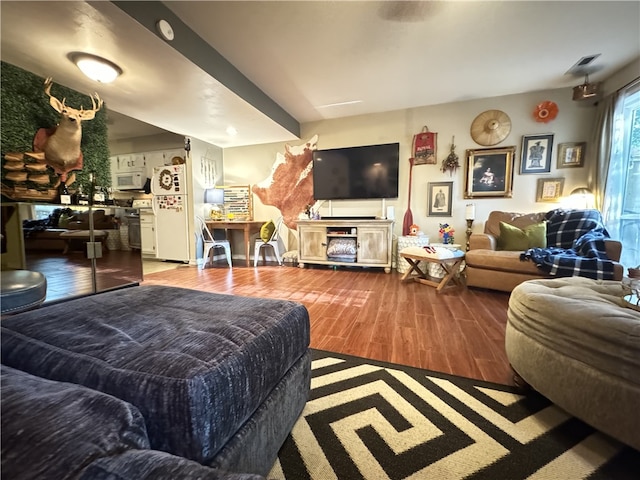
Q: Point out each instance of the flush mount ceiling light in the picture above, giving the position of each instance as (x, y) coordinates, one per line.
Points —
(96, 68)
(165, 30)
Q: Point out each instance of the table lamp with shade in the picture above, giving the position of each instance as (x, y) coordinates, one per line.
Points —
(215, 198)
(581, 198)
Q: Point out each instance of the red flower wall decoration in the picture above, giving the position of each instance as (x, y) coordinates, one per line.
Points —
(545, 112)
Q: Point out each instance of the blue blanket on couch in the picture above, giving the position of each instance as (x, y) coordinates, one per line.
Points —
(575, 246)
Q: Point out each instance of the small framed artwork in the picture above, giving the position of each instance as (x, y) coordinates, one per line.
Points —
(536, 153)
(440, 198)
(489, 172)
(549, 189)
(571, 154)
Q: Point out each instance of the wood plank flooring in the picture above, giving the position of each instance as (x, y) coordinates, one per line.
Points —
(368, 313)
(69, 275)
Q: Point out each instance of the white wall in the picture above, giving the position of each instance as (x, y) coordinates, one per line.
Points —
(149, 143)
(248, 166)
(573, 124)
(622, 77)
(252, 164)
(202, 152)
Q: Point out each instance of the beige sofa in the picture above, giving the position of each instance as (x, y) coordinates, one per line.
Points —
(489, 267)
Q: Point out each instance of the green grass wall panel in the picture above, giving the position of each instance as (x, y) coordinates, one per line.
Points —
(24, 108)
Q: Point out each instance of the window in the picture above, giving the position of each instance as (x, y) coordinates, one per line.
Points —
(623, 180)
(42, 212)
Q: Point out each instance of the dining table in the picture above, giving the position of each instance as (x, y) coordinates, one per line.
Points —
(249, 227)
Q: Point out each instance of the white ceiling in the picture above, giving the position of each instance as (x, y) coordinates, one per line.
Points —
(306, 55)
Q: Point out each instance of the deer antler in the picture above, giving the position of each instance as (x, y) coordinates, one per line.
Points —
(100, 101)
(47, 85)
(58, 105)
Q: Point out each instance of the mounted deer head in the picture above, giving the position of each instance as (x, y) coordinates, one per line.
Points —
(61, 146)
(68, 113)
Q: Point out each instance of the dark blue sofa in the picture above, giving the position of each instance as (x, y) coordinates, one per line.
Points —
(169, 383)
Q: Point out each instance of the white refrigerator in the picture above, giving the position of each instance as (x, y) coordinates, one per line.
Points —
(170, 206)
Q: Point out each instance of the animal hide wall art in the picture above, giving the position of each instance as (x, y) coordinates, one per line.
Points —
(289, 187)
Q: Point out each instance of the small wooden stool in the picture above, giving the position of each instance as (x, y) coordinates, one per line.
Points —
(450, 265)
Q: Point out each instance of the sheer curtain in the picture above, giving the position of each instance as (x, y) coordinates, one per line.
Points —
(600, 148)
(615, 169)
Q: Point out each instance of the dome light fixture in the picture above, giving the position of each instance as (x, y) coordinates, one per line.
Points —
(96, 68)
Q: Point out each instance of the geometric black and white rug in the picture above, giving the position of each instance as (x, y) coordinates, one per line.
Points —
(373, 420)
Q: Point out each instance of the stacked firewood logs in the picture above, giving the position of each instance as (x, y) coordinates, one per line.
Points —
(25, 177)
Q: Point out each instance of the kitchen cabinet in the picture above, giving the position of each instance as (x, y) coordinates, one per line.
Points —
(161, 158)
(155, 159)
(148, 233)
(364, 242)
(143, 162)
(170, 154)
(128, 163)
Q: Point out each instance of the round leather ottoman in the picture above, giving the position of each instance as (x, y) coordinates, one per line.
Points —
(21, 290)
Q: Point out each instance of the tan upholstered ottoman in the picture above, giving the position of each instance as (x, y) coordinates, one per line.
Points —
(574, 341)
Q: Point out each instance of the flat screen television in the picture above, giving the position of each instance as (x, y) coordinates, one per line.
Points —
(356, 172)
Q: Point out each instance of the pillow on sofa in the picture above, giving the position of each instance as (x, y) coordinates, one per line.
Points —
(63, 221)
(515, 239)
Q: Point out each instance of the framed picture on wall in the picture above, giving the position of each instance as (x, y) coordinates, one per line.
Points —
(536, 153)
(571, 154)
(549, 189)
(440, 197)
(489, 172)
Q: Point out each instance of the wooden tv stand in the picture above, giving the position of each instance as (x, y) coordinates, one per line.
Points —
(373, 239)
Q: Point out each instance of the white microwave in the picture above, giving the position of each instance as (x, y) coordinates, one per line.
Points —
(130, 180)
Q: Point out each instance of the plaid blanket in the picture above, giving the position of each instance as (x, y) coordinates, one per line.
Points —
(576, 247)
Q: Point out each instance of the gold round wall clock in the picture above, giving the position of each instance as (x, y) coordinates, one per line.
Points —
(490, 127)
